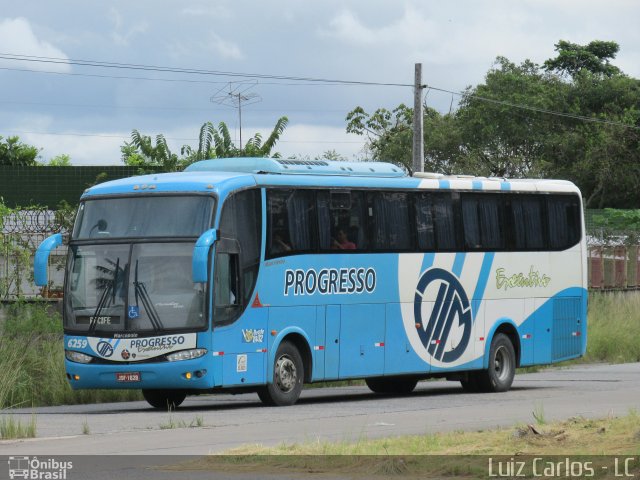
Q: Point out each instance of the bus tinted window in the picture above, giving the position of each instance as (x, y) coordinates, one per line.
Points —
(339, 227)
(292, 216)
(424, 222)
(144, 216)
(241, 221)
(483, 222)
(563, 221)
(526, 218)
(390, 223)
(444, 221)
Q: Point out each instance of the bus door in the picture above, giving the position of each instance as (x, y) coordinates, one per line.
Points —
(239, 330)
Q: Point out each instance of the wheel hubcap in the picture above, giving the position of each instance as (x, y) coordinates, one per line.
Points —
(286, 374)
(502, 364)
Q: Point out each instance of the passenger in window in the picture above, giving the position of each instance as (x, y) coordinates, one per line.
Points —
(278, 245)
(341, 242)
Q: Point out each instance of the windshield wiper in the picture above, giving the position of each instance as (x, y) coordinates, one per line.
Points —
(110, 289)
(141, 291)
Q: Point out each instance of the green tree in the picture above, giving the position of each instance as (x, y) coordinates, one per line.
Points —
(500, 140)
(389, 133)
(141, 152)
(62, 160)
(213, 142)
(594, 57)
(14, 152)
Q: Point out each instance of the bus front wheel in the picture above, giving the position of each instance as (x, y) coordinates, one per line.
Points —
(288, 374)
(166, 400)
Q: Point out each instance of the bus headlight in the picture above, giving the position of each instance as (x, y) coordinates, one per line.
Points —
(77, 357)
(186, 354)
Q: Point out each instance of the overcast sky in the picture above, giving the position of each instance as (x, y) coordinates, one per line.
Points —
(86, 113)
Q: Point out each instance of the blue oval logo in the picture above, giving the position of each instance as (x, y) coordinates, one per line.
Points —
(104, 349)
(451, 303)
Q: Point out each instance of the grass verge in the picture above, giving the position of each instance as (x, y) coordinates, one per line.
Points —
(613, 327)
(436, 455)
(10, 428)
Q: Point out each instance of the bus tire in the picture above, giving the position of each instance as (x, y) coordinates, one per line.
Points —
(288, 375)
(166, 400)
(502, 366)
(391, 386)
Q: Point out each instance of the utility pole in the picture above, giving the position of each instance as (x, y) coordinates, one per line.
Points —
(418, 127)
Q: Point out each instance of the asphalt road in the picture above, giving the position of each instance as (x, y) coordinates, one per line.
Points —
(348, 413)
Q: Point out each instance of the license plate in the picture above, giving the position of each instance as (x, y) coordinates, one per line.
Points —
(128, 377)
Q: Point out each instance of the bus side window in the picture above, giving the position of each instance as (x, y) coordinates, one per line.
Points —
(342, 221)
(424, 222)
(526, 218)
(291, 217)
(563, 221)
(390, 224)
(483, 222)
(444, 222)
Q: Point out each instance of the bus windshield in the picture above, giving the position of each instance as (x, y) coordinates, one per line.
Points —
(141, 287)
(143, 216)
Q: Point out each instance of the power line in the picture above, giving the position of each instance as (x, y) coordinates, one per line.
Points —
(190, 71)
(171, 80)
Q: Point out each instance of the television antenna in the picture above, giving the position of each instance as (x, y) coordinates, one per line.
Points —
(235, 95)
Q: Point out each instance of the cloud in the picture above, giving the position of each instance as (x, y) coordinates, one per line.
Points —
(17, 37)
(220, 47)
(211, 10)
(121, 36)
(225, 48)
(412, 26)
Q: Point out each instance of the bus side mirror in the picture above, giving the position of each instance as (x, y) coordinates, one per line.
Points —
(41, 260)
(200, 260)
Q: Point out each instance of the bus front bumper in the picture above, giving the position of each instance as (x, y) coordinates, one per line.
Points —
(193, 374)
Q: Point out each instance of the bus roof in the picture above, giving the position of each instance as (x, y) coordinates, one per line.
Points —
(297, 167)
(227, 174)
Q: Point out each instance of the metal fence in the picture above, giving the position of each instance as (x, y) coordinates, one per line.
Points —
(21, 233)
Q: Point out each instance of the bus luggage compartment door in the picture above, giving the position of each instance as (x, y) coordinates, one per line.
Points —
(361, 340)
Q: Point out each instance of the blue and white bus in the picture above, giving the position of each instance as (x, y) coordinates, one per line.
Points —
(259, 275)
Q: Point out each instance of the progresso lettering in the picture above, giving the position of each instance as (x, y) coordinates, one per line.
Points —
(329, 281)
(156, 343)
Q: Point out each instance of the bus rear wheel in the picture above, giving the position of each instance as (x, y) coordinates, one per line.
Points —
(288, 374)
(166, 400)
(391, 385)
(502, 368)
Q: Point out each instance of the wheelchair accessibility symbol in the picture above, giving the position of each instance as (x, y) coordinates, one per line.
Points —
(133, 312)
(451, 312)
